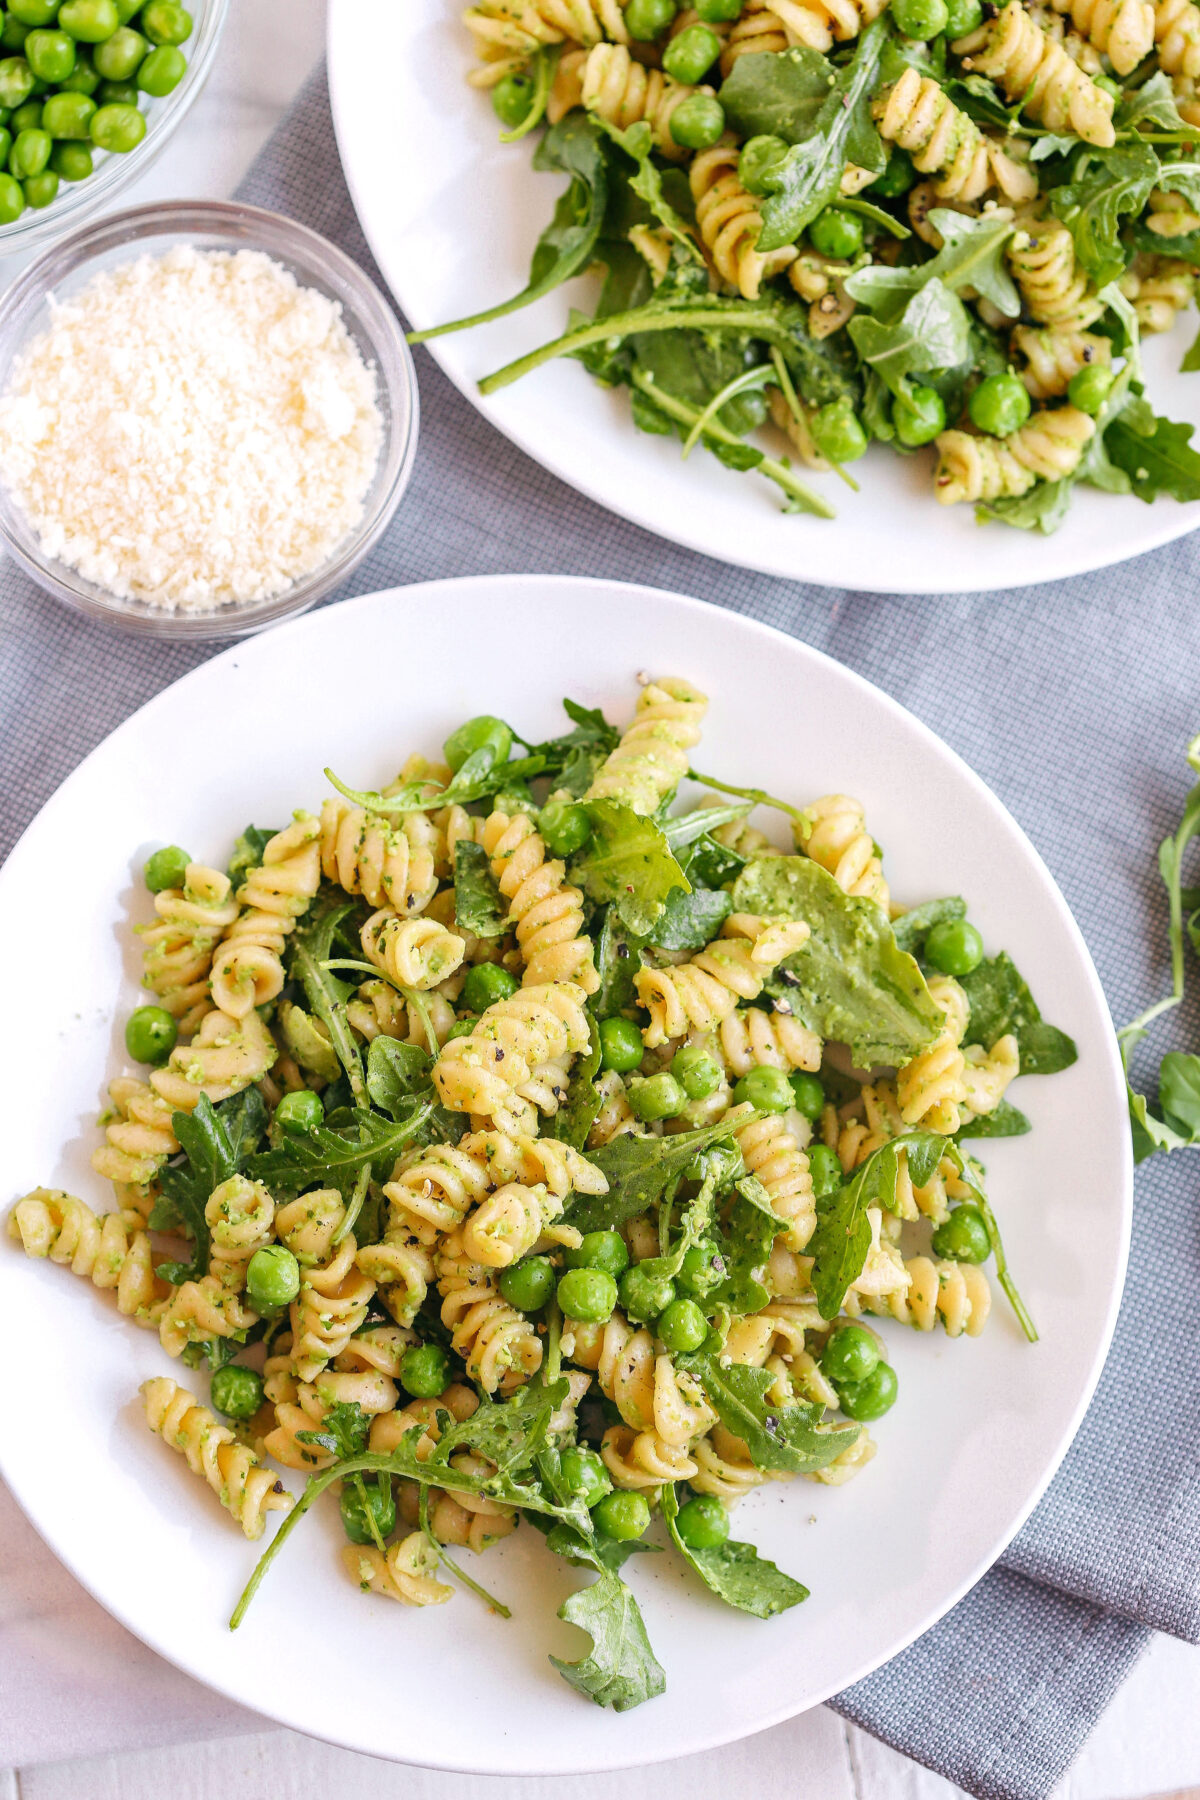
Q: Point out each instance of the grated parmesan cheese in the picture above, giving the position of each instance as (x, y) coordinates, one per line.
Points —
(192, 429)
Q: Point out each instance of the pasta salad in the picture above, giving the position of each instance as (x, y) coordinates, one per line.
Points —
(941, 223)
(521, 1143)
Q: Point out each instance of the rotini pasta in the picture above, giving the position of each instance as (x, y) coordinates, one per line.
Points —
(235, 1474)
(248, 967)
(1048, 448)
(177, 950)
(652, 757)
(1037, 72)
(544, 909)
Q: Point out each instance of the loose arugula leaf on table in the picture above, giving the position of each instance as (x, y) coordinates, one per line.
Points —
(248, 852)
(734, 1571)
(576, 146)
(312, 948)
(842, 131)
(395, 1073)
(850, 982)
(912, 927)
(627, 861)
(640, 1169)
(1006, 1120)
(621, 1670)
(1114, 183)
(581, 1108)
(618, 959)
(933, 332)
(1162, 462)
(788, 1438)
(972, 255)
(327, 1158)
(1000, 1003)
(215, 1145)
(478, 904)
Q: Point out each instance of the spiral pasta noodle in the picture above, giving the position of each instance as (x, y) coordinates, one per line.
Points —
(240, 1215)
(729, 223)
(642, 1459)
(484, 1072)
(110, 1249)
(234, 1473)
(1054, 355)
(1048, 447)
(956, 1295)
(388, 866)
(225, 1056)
(930, 1089)
(543, 907)
(839, 841)
(559, 1166)
(942, 140)
(1177, 37)
(703, 991)
(501, 27)
(625, 92)
(405, 1571)
(329, 1309)
(377, 1010)
(987, 1074)
(138, 1135)
(308, 1224)
(248, 967)
(751, 1038)
(723, 1467)
(1042, 258)
(1037, 72)
(506, 1226)
(652, 757)
(1122, 30)
(1160, 289)
(414, 953)
(772, 1153)
(197, 1312)
(497, 1343)
(401, 1266)
(177, 950)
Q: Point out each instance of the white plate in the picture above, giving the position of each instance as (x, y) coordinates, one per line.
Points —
(458, 239)
(980, 1425)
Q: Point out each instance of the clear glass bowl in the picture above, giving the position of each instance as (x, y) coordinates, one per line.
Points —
(316, 263)
(80, 200)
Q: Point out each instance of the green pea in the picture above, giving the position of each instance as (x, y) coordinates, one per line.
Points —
(27, 117)
(703, 1268)
(119, 128)
(565, 826)
(962, 18)
(1088, 388)
(41, 189)
(759, 156)
(50, 54)
(372, 1503)
(719, 12)
(1000, 405)
(117, 93)
(697, 122)
(605, 1250)
(91, 21)
(150, 1032)
(588, 1295)
(528, 1284)
(272, 1278)
(898, 176)
(656, 1097)
(870, 1399)
(690, 56)
(825, 1170)
(118, 57)
(486, 984)
(68, 116)
(838, 432)
(6, 145)
(512, 98)
(83, 78)
(645, 1294)
(13, 35)
(33, 12)
(703, 1523)
(72, 161)
(162, 71)
(166, 868)
(585, 1475)
(461, 1028)
(126, 10)
(682, 1326)
(808, 1096)
(696, 1072)
(165, 23)
(16, 81)
(622, 1516)
(765, 1089)
(919, 18)
(963, 1237)
(648, 19)
(12, 200)
(424, 1371)
(919, 415)
(850, 1355)
(300, 1112)
(837, 232)
(484, 732)
(237, 1392)
(954, 947)
(621, 1045)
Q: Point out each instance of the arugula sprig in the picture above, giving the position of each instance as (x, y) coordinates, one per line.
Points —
(215, 1145)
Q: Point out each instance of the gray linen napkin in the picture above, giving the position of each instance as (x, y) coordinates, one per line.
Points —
(1074, 702)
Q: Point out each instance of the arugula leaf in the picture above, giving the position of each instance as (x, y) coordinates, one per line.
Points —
(1151, 107)
(481, 773)
(746, 1240)
(570, 762)
(1179, 1091)
(395, 1072)
(777, 96)
(326, 1158)
(1000, 1003)
(478, 904)
(627, 861)
(804, 181)
(618, 959)
(565, 1540)
(690, 921)
(933, 332)
(621, 1670)
(849, 982)
(344, 1430)
(912, 927)
(689, 828)
(248, 852)
(778, 1437)
(842, 1239)
(1117, 181)
(1043, 508)
(1161, 463)
(312, 947)
(581, 1108)
(640, 1169)
(574, 147)
(212, 1353)
(972, 255)
(735, 1572)
(647, 182)
(1006, 1120)
(214, 1146)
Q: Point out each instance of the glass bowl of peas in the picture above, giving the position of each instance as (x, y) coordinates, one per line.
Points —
(91, 91)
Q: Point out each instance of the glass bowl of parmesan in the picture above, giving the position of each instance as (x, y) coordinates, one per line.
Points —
(208, 417)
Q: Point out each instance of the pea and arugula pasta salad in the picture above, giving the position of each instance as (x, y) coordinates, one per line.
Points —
(939, 223)
(523, 1142)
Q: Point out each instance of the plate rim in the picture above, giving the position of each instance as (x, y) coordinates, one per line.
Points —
(689, 606)
(1055, 561)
